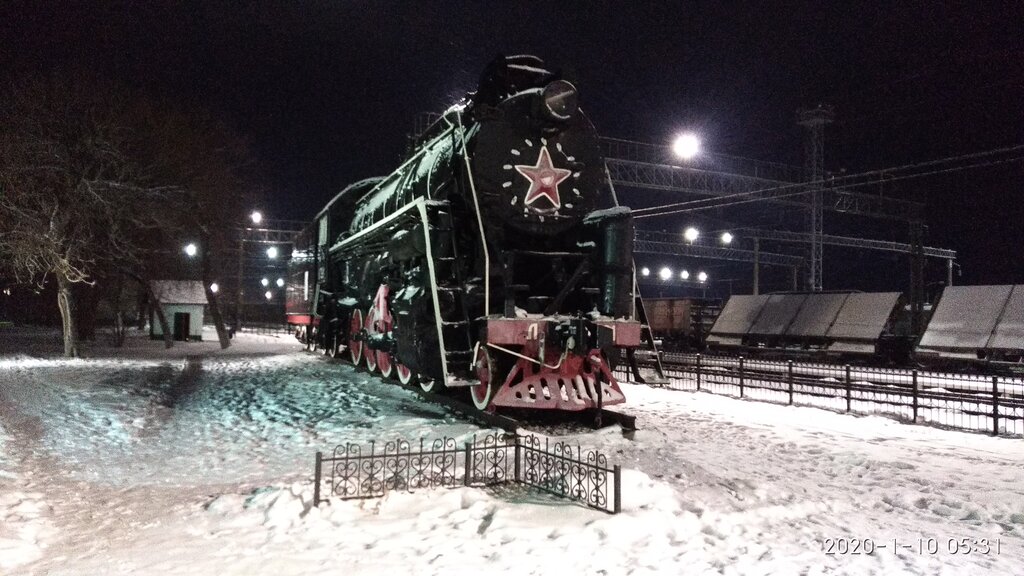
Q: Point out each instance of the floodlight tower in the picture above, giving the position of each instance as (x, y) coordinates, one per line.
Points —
(814, 120)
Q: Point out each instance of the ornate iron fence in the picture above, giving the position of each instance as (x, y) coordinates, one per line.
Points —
(561, 469)
(565, 471)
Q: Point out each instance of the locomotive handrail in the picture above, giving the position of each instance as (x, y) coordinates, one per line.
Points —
(422, 150)
(419, 205)
(479, 220)
(376, 225)
(527, 358)
(422, 207)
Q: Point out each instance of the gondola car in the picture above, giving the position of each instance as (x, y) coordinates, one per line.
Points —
(494, 258)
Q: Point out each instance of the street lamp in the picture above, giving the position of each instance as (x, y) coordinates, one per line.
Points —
(726, 238)
(272, 252)
(645, 271)
(665, 273)
(191, 250)
(691, 234)
(686, 146)
(256, 217)
(702, 277)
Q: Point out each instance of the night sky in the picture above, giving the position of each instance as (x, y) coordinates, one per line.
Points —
(325, 92)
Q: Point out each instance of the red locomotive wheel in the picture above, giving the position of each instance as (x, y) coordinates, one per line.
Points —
(355, 348)
(384, 360)
(483, 392)
(371, 354)
(405, 376)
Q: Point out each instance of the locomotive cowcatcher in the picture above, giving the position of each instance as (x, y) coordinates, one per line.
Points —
(494, 258)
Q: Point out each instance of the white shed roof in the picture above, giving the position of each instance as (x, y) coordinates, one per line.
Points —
(179, 291)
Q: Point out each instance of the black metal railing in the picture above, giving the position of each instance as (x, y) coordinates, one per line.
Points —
(560, 468)
(974, 402)
(565, 471)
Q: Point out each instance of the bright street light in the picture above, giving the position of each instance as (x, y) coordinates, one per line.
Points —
(645, 271)
(280, 282)
(269, 295)
(684, 275)
(272, 252)
(726, 238)
(702, 277)
(191, 250)
(256, 217)
(265, 282)
(686, 146)
(665, 273)
(214, 287)
(691, 234)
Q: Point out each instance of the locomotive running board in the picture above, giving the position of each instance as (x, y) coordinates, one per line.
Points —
(420, 206)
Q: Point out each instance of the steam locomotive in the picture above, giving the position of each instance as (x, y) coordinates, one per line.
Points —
(495, 258)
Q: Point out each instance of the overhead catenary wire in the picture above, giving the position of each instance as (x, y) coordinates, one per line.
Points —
(800, 188)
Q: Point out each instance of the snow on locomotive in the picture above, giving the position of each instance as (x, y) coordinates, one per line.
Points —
(494, 258)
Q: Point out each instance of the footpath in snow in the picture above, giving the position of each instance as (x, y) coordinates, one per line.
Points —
(194, 461)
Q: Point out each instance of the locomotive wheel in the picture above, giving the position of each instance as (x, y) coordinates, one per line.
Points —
(310, 339)
(427, 384)
(333, 349)
(371, 354)
(405, 376)
(384, 360)
(485, 368)
(355, 348)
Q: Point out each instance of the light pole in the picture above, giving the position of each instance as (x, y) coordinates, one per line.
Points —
(686, 146)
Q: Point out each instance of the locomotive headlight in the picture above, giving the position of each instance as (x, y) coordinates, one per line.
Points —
(560, 100)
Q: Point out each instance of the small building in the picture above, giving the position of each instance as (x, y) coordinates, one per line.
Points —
(183, 302)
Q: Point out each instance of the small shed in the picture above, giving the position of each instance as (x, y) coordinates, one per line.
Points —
(183, 302)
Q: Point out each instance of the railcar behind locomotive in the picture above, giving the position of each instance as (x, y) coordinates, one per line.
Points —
(494, 258)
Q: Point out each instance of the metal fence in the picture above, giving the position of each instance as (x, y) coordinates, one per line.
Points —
(564, 470)
(974, 402)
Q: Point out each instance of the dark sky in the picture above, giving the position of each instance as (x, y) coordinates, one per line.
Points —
(326, 91)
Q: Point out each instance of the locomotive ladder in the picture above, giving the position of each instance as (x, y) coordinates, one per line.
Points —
(454, 312)
(645, 326)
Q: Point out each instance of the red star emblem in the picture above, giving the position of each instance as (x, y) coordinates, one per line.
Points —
(544, 179)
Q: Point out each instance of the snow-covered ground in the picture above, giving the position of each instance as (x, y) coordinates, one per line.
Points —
(198, 461)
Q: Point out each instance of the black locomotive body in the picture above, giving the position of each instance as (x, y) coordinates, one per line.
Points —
(494, 258)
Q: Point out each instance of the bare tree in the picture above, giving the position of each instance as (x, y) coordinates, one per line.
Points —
(97, 183)
(72, 196)
(212, 167)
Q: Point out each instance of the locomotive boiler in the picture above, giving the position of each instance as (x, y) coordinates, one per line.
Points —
(494, 258)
